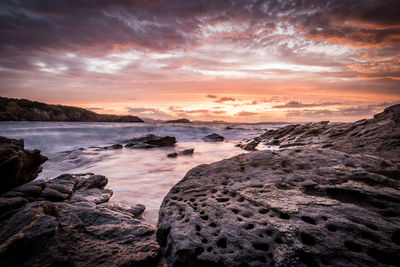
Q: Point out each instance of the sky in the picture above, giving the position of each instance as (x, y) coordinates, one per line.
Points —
(232, 60)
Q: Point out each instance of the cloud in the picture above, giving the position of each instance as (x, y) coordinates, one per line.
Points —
(76, 51)
(246, 113)
(225, 99)
(153, 113)
(357, 111)
(95, 109)
(297, 104)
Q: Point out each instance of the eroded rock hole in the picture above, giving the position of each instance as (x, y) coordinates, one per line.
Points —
(307, 239)
(222, 243)
(331, 228)
(249, 226)
(261, 246)
(350, 245)
(263, 211)
(308, 220)
(204, 217)
(284, 216)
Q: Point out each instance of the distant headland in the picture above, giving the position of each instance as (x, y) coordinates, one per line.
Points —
(25, 110)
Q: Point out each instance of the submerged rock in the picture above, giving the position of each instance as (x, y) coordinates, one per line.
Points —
(18, 165)
(213, 138)
(172, 155)
(67, 222)
(150, 141)
(294, 207)
(189, 151)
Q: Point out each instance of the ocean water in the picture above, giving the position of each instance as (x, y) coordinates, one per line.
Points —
(135, 175)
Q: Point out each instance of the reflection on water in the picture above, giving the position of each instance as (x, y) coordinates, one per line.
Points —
(135, 175)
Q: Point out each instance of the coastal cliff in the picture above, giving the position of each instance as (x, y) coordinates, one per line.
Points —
(25, 110)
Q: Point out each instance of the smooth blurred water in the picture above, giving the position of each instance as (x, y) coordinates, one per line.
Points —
(135, 175)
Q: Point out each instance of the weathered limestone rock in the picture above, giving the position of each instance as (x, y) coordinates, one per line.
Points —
(295, 207)
(17, 165)
(67, 222)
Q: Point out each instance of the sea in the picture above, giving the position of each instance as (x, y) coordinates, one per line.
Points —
(135, 175)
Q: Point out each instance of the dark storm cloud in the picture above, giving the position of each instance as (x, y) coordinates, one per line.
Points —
(101, 26)
(297, 104)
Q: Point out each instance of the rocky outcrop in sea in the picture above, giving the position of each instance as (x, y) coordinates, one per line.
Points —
(378, 136)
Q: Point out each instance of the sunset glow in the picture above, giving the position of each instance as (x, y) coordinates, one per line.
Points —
(232, 60)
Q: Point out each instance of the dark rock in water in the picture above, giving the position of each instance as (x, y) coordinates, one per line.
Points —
(294, 207)
(183, 152)
(142, 139)
(183, 120)
(62, 222)
(17, 165)
(150, 141)
(213, 138)
(163, 141)
(115, 146)
(172, 155)
(187, 152)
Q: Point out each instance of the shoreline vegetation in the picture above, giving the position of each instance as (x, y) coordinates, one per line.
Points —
(329, 195)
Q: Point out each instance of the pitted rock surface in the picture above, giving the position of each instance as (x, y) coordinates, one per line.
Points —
(294, 207)
(68, 222)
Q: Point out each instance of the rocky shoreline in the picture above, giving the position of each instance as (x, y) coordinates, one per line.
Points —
(329, 196)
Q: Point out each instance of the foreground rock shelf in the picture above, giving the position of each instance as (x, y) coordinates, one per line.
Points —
(295, 207)
(68, 222)
(329, 196)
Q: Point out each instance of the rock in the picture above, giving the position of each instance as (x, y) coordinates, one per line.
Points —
(163, 141)
(115, 146)
(17, 165)
(213, 138)
(150, 141)
(376, 136)
(134, 211)
(172, 155)
(64, 225)
(294, 207)
(183, 120)
(187, 152)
